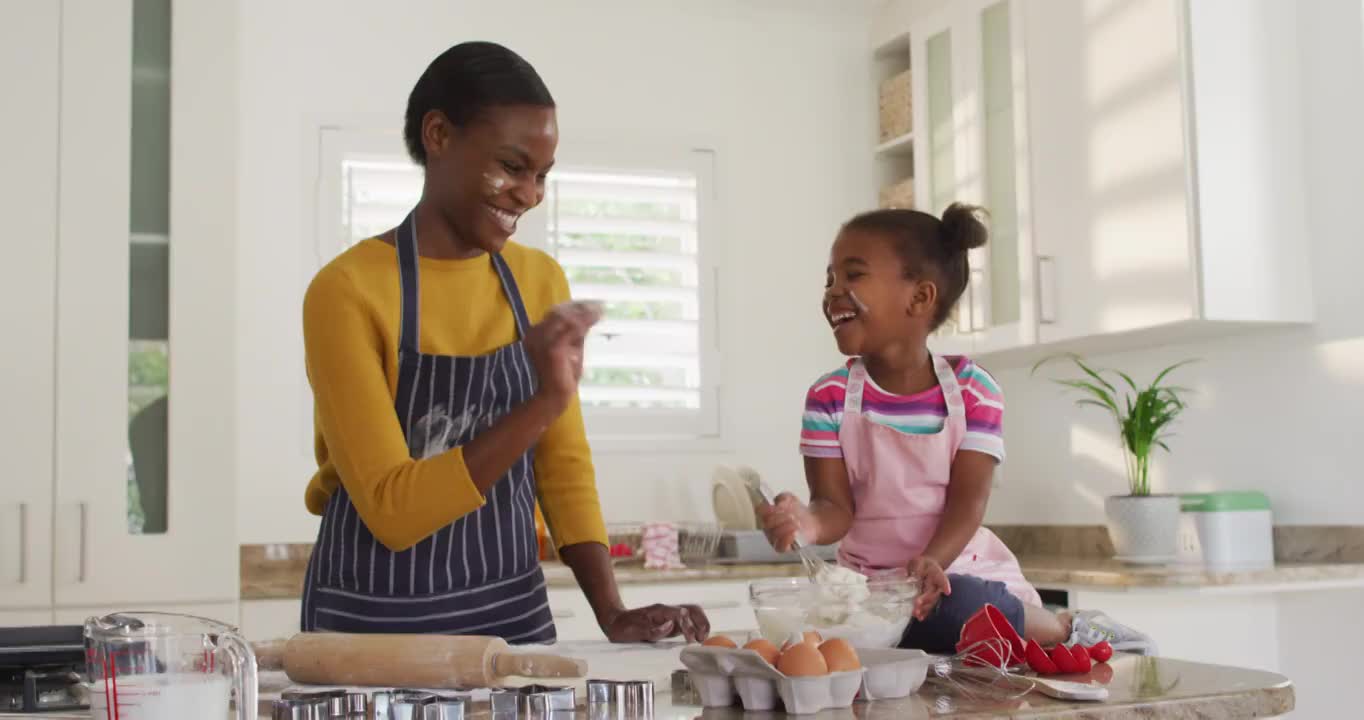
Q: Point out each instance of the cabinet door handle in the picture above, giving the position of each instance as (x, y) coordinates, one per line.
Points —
(1046, 290)
(23, 543)
(84, 508)
(21, 576)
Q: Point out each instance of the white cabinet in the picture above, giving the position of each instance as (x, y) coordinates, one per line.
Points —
(28, 183)
(20, 618)
(1167, 190)
(971, 145)
(270, 619)
(1154, 187)
(85, 295)
(99, 558)
(725, 603)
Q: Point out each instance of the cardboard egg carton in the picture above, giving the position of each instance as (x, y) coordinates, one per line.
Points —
(722, 674)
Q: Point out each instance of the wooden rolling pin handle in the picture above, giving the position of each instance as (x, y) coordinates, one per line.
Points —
(534, 665)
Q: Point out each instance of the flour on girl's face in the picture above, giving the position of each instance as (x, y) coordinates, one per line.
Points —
(857, 302)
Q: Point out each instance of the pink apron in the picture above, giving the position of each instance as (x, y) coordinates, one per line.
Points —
(899, 484)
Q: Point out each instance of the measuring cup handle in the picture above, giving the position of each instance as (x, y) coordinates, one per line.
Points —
(244, 673)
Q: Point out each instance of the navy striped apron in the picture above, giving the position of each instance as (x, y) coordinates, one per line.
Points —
(481, 574)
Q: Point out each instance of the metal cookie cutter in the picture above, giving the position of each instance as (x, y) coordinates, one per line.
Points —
(325, 704)
(620, 700)
(534, 702)
(684, 692)
(299, 709)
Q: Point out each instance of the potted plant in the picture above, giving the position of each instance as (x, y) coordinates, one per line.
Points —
(1144, 527)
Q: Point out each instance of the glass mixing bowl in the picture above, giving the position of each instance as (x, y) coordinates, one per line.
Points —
(873, 615)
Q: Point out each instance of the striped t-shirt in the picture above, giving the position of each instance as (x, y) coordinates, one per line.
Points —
(923, 413)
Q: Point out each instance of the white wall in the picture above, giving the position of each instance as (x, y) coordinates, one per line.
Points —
(782, 87)
(1277, 411)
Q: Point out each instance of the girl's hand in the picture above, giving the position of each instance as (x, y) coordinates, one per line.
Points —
(786, 518)
(555, 346)
(933, 584)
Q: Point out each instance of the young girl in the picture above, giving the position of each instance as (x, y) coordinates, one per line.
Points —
(901, 446)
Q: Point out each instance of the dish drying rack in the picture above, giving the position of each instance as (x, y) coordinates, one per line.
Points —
(697, 543)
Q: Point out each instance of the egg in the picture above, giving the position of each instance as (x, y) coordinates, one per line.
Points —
(719, 641)
(809, 637)
(802, 660)
(839, 655)
(766, 649)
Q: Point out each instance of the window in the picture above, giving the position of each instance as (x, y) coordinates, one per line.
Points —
(628, 232)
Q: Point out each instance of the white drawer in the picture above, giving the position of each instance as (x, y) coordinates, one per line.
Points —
(573, 616)
(270, 619)
(725, 603)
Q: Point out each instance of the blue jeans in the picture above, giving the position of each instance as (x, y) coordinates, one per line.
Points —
(938, 633)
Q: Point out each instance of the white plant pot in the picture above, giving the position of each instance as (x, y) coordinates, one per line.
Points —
(1144, 529)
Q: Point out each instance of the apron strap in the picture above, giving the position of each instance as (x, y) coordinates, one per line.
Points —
(857, 383)
(513, 296)
(409, 278)
(947, 379)
(951, 389)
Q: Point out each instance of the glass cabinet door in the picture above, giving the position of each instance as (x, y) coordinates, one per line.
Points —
(999, 164)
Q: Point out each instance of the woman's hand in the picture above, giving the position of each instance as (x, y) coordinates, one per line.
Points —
(933, 584)
(656, 622)
(555, 346)
(786, 519)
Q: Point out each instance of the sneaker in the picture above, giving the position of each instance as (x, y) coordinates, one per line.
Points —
(1088, 627)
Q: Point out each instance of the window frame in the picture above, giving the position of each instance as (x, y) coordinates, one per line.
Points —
(612, 430)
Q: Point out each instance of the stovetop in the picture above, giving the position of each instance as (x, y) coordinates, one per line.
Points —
(42, 688)
(41, 669)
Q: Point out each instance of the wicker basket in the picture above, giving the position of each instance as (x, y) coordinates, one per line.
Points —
(896, 118)
(899, 195)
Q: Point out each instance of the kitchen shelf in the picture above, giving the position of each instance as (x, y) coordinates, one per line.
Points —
(897, 147)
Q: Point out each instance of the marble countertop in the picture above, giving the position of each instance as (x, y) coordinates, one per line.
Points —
(276, 572)
(1138, 688)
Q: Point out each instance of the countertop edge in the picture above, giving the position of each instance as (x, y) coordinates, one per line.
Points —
(284, 580)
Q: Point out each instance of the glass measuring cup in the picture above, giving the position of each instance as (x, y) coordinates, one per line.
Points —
(166, 666)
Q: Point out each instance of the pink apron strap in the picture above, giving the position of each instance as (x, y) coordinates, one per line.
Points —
(951, 390)
(857, 383)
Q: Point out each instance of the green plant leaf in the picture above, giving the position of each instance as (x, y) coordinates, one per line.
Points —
(1172, 368)
(1096, 374)
(1099, 393)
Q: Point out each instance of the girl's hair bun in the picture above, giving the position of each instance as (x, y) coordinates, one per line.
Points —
(963, 228)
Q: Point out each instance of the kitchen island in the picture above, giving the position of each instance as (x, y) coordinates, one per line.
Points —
(1138, 687)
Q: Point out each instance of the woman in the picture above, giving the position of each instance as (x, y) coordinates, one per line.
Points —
(445, 372)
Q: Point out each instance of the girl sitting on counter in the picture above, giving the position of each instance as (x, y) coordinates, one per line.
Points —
(901, 445)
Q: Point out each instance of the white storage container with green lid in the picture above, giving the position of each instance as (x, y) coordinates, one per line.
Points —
(1227, 530)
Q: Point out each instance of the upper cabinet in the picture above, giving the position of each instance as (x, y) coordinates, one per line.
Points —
(122, 295)
(966, 70)
(29, 32)
(1140, 160)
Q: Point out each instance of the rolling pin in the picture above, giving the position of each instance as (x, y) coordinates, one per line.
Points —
(416, 661)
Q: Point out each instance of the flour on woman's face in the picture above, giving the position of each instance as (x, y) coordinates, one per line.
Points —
(437, 431)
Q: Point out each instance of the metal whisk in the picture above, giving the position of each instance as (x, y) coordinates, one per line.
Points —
(814, 564)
